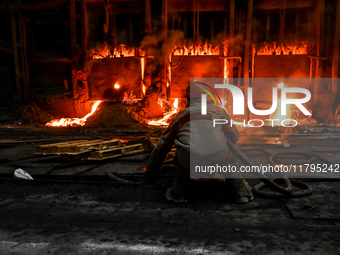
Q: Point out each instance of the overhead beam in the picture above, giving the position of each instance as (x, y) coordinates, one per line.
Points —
(290, 4)
(38, 6)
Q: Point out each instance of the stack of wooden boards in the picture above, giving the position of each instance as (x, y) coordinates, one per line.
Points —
(90, 150)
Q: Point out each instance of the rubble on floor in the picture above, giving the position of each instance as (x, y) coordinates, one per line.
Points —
(111, 114)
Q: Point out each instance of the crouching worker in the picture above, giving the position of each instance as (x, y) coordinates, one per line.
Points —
(192, 133)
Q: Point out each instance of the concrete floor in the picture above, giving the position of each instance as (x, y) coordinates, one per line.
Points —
(73, 208)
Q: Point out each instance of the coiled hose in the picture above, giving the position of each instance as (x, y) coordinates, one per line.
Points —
(284, 191)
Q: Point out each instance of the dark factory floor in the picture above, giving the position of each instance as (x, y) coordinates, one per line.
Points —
(72, 207)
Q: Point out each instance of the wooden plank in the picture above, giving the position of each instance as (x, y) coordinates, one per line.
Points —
(77, 146)
(153, 142)
(115, 156)
(67, 148)
(66, 143)
(103, 145)
(42, 148)
(62, 153)
(115, 152)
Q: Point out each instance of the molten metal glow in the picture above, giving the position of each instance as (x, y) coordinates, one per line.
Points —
(144, 91)
(165, 120)
(72, 122)
(116, 86)
(226, 71)
(169, 73)
(142, 64)
(176, 103)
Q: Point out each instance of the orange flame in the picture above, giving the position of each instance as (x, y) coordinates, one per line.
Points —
(164, 121)
(72, 122)
(117, 52)
(200, 49)
(277, 50)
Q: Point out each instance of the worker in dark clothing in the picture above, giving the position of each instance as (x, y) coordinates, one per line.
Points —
(188, 131)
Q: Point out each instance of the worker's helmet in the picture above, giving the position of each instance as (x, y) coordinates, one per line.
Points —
(194, 90)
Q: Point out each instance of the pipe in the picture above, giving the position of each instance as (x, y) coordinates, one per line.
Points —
(240, 58)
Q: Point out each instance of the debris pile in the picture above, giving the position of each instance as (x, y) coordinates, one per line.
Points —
(307, 121)
(335, 121)
(111, 114)
(33, 114)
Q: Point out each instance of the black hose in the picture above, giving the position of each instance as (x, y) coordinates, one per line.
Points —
(307, 190)
(266, 180)
(272, 157)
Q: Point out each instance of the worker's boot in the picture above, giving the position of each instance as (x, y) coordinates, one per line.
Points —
(179, 188)
(178, 198)
(242, 190)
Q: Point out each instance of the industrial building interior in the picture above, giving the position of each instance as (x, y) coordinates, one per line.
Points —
(89, 86)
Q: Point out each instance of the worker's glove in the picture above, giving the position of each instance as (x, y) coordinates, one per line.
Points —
(150, 176)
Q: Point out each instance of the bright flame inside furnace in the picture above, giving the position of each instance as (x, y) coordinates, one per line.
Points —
(164, 121)
(72, 122)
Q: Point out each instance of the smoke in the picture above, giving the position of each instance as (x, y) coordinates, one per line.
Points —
(158, 48)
